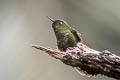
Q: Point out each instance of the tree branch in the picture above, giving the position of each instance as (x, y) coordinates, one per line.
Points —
(91, 61)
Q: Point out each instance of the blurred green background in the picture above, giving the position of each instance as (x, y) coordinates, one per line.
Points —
(24, 22)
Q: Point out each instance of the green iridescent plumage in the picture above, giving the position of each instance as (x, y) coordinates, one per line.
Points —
(66, 36)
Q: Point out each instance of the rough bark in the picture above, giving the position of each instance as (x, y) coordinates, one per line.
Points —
(91, 61)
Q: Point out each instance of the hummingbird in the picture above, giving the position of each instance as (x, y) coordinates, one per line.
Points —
(67, 37)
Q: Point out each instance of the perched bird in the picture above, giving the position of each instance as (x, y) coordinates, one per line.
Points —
(66, 36)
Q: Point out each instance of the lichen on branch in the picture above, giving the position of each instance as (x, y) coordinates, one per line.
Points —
(90, 61)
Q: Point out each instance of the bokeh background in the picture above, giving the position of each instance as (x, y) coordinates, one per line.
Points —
(24, 22)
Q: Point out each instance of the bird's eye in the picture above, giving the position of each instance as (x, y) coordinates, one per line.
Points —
(61, 23)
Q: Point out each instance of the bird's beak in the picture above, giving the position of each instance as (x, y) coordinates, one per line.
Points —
(50, 19)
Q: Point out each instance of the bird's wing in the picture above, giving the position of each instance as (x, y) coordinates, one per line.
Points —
(76, 34)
